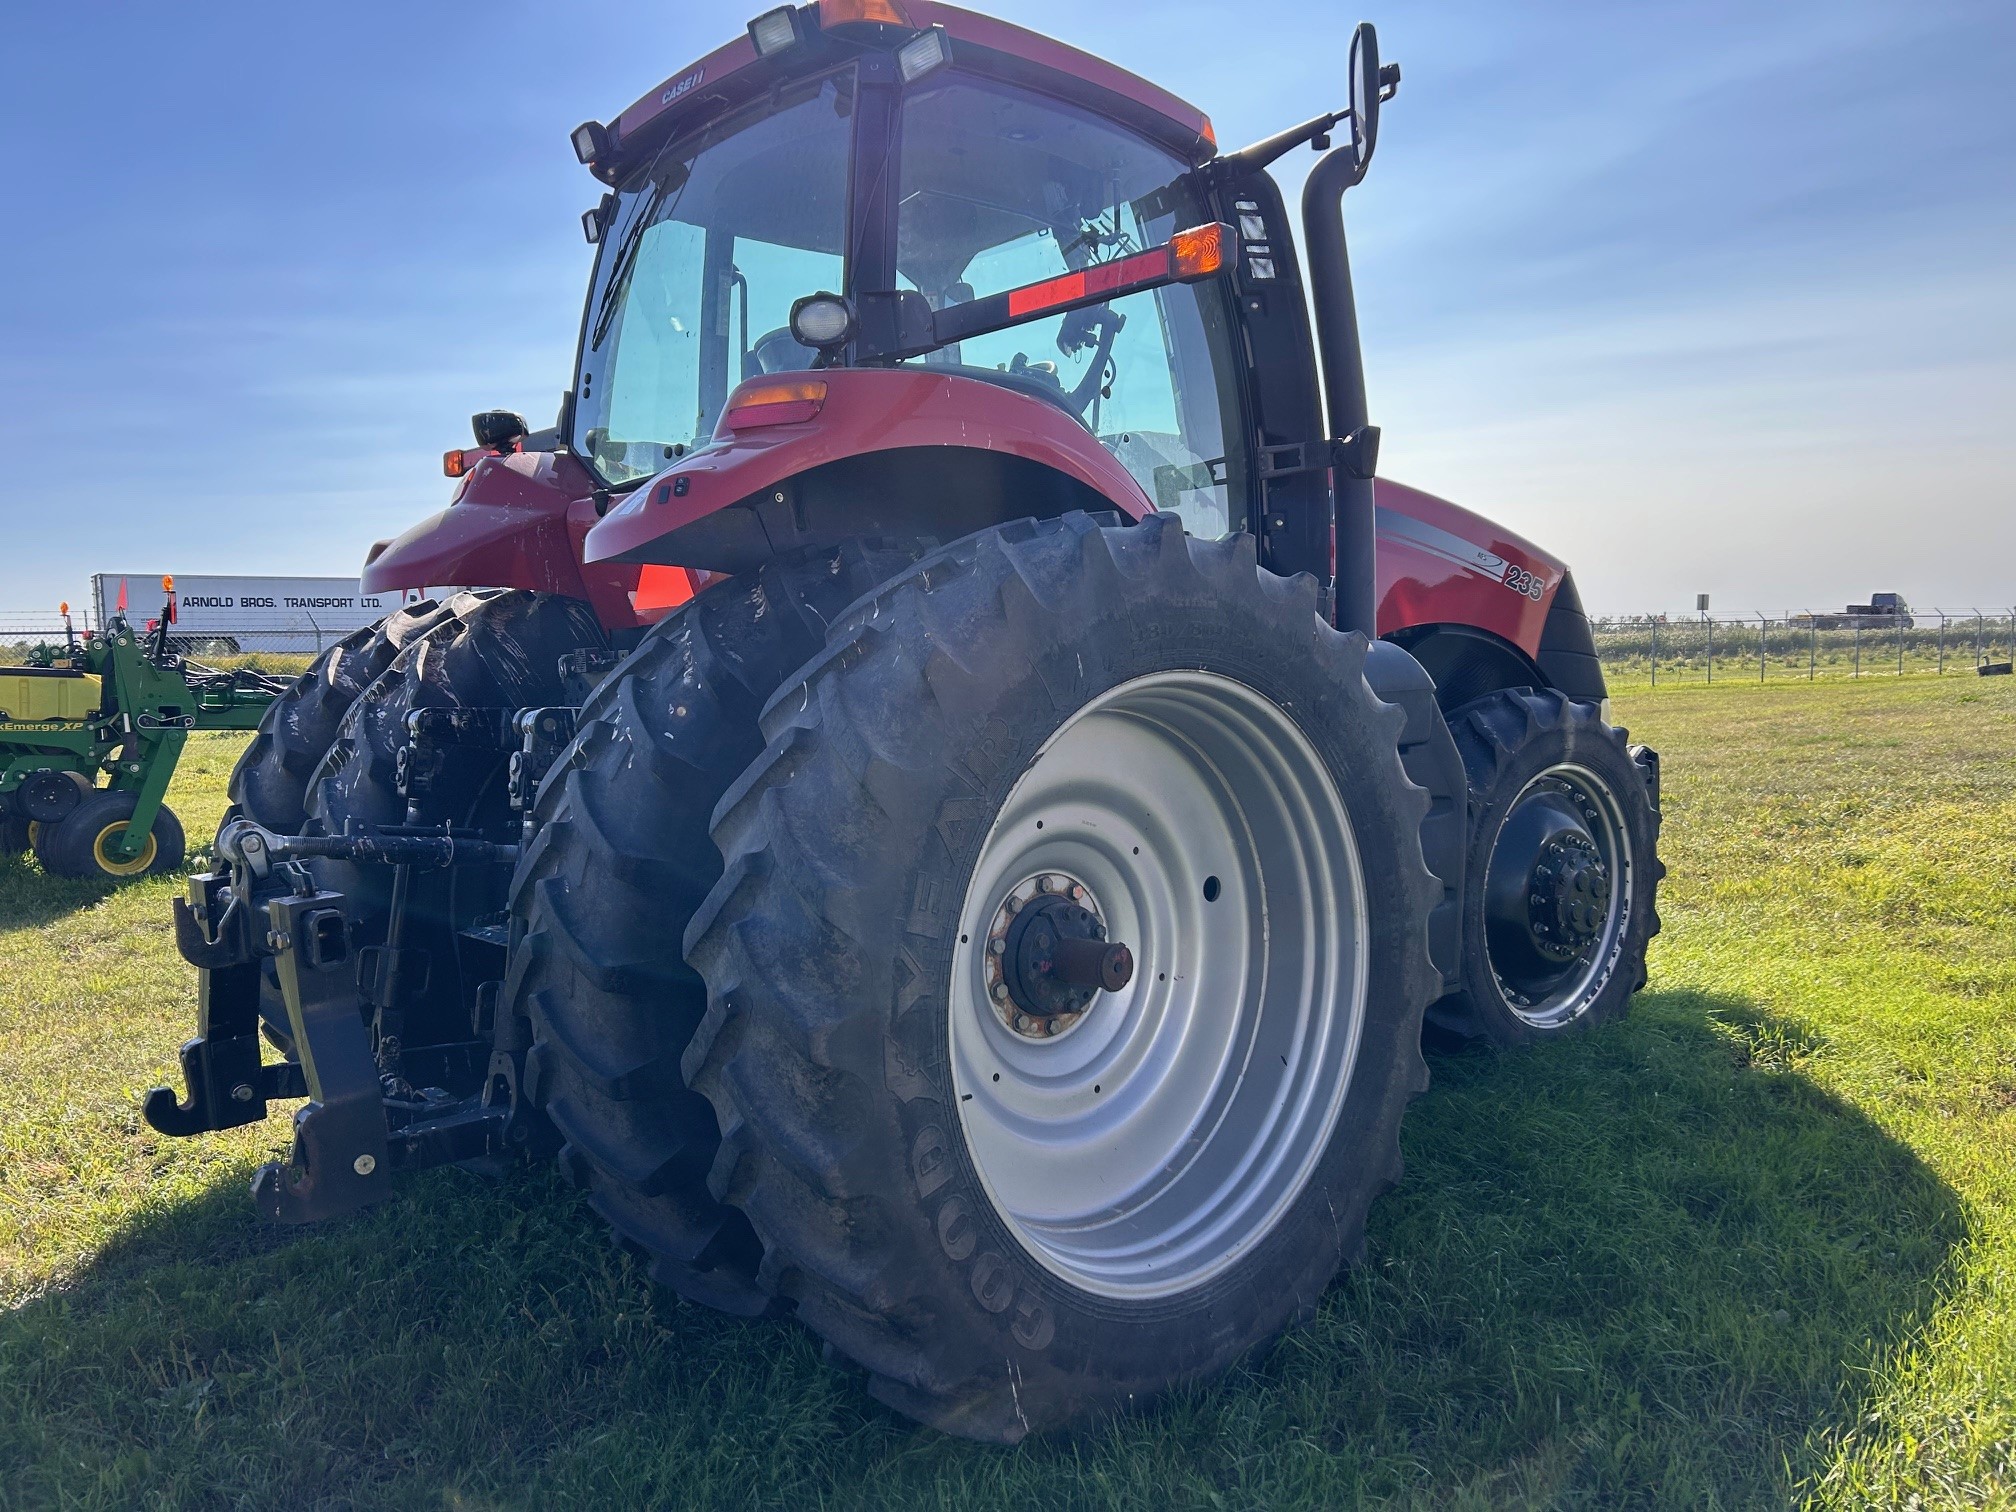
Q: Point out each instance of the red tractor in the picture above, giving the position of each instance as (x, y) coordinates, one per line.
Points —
(955, 799)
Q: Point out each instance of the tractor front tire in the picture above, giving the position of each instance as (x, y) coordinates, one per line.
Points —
(1017, 1201)
(1563, 870)
(620, 859)
(78, 845)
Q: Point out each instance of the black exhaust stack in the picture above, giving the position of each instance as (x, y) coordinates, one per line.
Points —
(1355, 440)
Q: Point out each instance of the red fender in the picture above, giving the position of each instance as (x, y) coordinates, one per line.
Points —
(865, 410)
(1440, 564)
(519, 520)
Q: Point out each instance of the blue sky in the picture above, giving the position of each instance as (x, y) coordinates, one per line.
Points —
(1709, 297)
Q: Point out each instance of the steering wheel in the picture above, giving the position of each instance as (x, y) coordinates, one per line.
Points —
(1095, 327)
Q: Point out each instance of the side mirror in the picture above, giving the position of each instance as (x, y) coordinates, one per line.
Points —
(497, 429)
(1370, 85)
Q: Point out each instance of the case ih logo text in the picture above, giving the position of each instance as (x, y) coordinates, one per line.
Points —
(685, 85)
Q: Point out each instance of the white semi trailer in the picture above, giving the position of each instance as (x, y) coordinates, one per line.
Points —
(218, 614)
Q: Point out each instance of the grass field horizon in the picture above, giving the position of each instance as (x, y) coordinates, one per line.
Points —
(1753, 1246)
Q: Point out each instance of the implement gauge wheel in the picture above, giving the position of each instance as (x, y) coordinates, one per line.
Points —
(1563, 869)
(1066, 974)
(83, 844)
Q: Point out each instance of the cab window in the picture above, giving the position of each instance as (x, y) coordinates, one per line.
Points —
(1002, 187)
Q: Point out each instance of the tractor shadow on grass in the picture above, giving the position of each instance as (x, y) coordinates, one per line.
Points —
(30, 897)
(1658, 1264)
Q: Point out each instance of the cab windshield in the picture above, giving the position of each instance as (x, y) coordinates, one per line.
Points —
(708, 247)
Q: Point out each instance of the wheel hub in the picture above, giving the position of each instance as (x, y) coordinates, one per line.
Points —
(1556, 894)
(1570, 896)
(1139, 1139)
(1048, 957)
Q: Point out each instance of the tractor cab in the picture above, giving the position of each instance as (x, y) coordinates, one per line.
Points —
(729, 258)
(937, 194)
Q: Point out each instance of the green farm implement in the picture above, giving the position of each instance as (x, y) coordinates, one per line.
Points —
(115, 702)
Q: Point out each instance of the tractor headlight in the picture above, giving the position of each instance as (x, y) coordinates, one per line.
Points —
(822, 321)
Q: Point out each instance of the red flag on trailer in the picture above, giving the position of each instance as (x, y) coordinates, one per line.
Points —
(121, 605)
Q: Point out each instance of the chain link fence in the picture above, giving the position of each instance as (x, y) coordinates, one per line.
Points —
(1666, 650)
(20, 631)
(1655, 650)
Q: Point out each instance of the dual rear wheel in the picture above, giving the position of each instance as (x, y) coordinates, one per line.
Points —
(1009, 958)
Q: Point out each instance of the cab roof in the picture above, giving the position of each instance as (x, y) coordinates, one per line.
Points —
(976, 40)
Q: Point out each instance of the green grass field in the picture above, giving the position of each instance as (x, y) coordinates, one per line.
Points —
(1754, 1246)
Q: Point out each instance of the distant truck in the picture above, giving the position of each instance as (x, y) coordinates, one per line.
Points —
(1884, 611)
(221, 615)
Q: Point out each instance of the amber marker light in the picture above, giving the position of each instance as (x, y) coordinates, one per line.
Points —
(774, 401)
(875, 12)
(1198, 252)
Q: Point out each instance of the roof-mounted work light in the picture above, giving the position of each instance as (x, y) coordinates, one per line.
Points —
(591, 141)
(924, 53)
(777, 31)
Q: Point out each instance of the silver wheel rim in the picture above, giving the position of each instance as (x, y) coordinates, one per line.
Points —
(1603, 815)
(1164, 1136)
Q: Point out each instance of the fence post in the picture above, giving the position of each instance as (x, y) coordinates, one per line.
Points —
(1655, 650)
(1858, 648)
(1977, 637)
(1812, 645)
(1942, 642)
(1711, 648)
(1761, 623)
(1900, 645)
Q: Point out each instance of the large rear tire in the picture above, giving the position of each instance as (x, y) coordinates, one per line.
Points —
(1562, 874)
(495, 650)
(620, 858)
(1017, 1209)
(269, 785)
